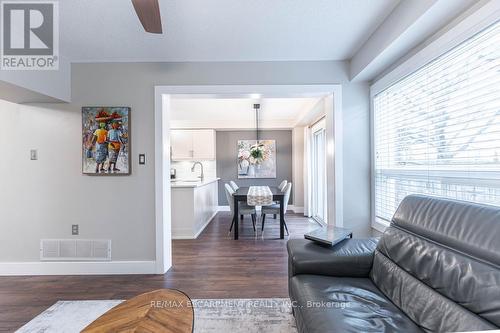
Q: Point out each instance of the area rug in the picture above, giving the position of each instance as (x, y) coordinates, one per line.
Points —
(270, 315)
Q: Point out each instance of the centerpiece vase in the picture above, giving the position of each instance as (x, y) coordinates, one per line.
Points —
(251, 170)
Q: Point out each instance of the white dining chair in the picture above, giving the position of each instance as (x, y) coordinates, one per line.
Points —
(234, 185)
(275, 208)
(282, 185)
(243, 208)
(235, 188)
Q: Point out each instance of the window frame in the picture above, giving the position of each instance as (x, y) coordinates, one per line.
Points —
(446, 39)
(319, 127)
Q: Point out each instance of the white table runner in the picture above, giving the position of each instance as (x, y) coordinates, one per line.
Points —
(259, 196)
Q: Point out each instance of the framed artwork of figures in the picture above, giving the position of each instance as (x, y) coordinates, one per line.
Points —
(106, 140)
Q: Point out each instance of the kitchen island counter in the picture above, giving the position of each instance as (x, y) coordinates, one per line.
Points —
(194, 205)
(192, 182)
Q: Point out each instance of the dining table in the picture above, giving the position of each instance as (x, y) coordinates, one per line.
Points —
(241, 195)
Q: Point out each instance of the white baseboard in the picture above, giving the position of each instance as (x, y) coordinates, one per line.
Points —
(206, 223)
(296, 209)
(180, 237)
(77, 268)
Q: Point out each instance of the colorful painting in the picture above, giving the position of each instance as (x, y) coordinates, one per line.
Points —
(256, 159)
(106, 140)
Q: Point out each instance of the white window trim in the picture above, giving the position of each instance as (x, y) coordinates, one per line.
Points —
(470, 23)
(318, 126)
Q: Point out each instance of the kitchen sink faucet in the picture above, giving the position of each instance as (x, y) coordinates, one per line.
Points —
(201, 165)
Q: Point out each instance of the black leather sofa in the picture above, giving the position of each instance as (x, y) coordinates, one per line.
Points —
(435, 269)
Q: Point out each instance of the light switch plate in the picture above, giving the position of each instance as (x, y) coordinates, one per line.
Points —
(34, 154)
(142, 159)
(74, 229)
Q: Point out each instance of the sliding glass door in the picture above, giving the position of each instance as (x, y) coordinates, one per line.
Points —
(318, 143)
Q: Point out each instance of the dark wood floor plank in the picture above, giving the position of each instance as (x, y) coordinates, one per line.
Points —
(212, 266)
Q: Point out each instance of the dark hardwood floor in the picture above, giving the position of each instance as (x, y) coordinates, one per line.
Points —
(212, 266)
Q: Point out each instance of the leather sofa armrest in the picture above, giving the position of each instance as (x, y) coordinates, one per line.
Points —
(349, 258)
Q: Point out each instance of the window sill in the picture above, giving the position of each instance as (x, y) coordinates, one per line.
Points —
(380, 226)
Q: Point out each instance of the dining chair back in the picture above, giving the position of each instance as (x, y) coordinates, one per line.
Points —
(275, 208)
(287, 190)
(234, 185)
(229, 196)
(282, 185)
(243, 209)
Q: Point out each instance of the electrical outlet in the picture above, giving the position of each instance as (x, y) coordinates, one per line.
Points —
(74, 229)
(34, 154)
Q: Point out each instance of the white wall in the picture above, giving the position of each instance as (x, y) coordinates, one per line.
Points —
(356, 137)
(298, 166)
(306, 119)
(410, 23)
(54, 86)
(43, 198)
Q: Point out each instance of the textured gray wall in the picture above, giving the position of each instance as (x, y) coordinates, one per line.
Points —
(227, 147)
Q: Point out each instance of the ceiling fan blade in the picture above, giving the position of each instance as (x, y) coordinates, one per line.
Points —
(148, 12)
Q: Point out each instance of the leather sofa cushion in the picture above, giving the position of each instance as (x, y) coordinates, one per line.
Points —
(351, 257)
(432, 311)
(326, 304)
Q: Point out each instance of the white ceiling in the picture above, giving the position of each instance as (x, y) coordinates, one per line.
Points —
(220, 30)
(239, 112)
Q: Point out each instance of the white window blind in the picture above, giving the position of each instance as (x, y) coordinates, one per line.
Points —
(437, 131)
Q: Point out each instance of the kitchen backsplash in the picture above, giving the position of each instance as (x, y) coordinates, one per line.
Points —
(183, 169)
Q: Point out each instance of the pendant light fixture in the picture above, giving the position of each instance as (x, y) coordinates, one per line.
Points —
(256, 106)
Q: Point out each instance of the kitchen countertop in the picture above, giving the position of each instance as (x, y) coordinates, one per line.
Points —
(183, 183)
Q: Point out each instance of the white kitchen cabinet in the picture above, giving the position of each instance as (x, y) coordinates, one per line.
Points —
(181, 142)
(192, 144)
(204, 144)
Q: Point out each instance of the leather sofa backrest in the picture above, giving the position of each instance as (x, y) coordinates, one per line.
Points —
(439, 261)
(469, 228)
